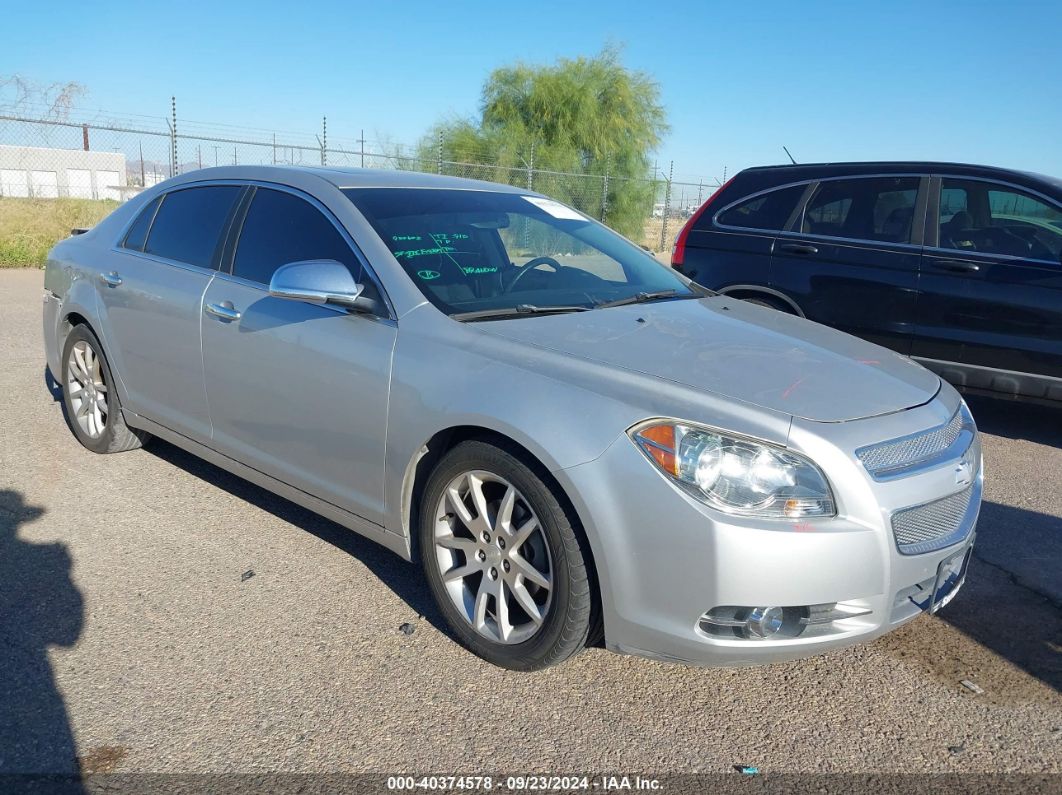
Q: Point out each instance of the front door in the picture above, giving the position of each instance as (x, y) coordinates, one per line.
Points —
(992, 286)
(297, 390)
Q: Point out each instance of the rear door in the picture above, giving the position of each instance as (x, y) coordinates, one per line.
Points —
(734, 248)
(992, 286)
(297, 390)
(151, 304)
(851, 258)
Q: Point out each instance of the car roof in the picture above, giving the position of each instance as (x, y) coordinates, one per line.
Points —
(806, 170)
(346, 178)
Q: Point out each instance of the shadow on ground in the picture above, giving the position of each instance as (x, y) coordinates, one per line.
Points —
(1015, 420)
(404, 578)
(39, 607)
(1006, 607)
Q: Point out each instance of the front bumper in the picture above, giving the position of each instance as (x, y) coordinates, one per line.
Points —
(664, 559)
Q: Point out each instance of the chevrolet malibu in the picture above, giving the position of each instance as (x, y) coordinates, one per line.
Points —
(574, 441)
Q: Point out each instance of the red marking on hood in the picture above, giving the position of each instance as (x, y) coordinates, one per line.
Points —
(803, 527)
(789, 389)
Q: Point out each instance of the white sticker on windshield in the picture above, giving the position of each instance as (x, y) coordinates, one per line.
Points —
(556, 209)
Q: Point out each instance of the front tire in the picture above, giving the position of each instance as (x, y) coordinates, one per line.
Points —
(90, 401)
(503, 559)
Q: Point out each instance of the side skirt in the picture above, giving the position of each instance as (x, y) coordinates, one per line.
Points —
(397, 544)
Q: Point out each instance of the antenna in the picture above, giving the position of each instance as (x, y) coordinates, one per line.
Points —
(791, 159)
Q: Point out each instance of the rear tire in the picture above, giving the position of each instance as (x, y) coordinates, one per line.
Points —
(90, 402)
(491, 528)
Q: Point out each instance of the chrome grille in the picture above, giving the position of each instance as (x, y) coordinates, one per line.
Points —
(934, 525)
(900, 454)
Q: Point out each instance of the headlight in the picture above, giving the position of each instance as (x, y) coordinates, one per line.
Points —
(733, 474)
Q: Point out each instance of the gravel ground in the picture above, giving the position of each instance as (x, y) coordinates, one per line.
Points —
(133, 637)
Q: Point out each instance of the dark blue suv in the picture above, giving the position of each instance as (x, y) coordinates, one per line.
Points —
(957, 266)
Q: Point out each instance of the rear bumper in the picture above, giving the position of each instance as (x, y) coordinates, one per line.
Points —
(665, 560)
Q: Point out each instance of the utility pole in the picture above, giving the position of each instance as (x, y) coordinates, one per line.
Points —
(199, 152)
(531, 169)
(667, 205)
(173, 133)
(604, 189)
(143, 184)
(324, 143)
(438, 153)
(216, 155)
(361, 143)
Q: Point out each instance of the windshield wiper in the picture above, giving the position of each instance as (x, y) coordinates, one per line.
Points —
(517, 311)
(643, 297)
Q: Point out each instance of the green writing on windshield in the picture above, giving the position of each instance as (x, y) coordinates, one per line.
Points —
(403, 238)
(423, 252)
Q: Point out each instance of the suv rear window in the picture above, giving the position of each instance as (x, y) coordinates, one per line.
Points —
(189, 224)
(766, 211)
(869, 208)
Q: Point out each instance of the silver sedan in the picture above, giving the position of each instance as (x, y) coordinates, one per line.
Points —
(574, 441)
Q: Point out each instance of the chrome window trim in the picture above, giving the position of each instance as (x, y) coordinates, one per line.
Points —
(1009, 258)
(804, 200)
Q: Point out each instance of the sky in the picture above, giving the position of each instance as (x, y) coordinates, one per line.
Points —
(963, 81)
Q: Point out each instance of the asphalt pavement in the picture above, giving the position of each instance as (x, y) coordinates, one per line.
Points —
(160, 615)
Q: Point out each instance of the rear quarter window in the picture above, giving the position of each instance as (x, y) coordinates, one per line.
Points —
(768, 211)
(137, 234)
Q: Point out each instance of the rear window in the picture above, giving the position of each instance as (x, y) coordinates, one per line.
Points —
(190, 222)
(874, 208)
(768, 211)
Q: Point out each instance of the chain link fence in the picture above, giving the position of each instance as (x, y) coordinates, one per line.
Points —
(107, 161)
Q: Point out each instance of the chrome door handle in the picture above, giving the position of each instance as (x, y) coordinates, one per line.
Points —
(111, 279)
(225, 311)
(799, 248)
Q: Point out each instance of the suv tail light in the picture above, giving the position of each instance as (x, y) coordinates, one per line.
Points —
(678, 253)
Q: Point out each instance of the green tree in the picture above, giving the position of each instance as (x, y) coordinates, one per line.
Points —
(587, 116)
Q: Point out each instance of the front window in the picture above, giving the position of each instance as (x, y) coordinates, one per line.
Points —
(995, 219)
(479, 254)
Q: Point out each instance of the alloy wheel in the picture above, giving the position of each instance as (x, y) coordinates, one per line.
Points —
(493, 557)
(86, 389)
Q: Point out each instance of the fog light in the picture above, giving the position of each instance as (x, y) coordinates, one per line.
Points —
(763, 622)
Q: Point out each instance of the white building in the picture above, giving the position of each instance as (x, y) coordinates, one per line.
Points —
(47, 173)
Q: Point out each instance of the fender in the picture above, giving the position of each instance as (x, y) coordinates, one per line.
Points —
(767, 291)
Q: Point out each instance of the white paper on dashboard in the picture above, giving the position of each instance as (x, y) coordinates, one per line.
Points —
(556, 209)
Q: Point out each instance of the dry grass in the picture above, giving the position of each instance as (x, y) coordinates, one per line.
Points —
(651, 234)
(30, 227)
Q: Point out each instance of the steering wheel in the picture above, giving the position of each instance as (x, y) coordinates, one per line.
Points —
(529, 266)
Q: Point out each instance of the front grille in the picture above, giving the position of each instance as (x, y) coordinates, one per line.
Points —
(902, 454)
(934, 525)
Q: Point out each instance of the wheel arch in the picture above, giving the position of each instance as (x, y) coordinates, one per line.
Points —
(742, 291)
(431, 452)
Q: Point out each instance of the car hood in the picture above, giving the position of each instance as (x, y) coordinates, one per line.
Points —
(739, 351)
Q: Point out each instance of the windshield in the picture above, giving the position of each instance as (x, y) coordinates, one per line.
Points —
(481, 252)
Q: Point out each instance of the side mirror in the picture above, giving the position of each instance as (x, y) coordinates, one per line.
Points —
(320, 281)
